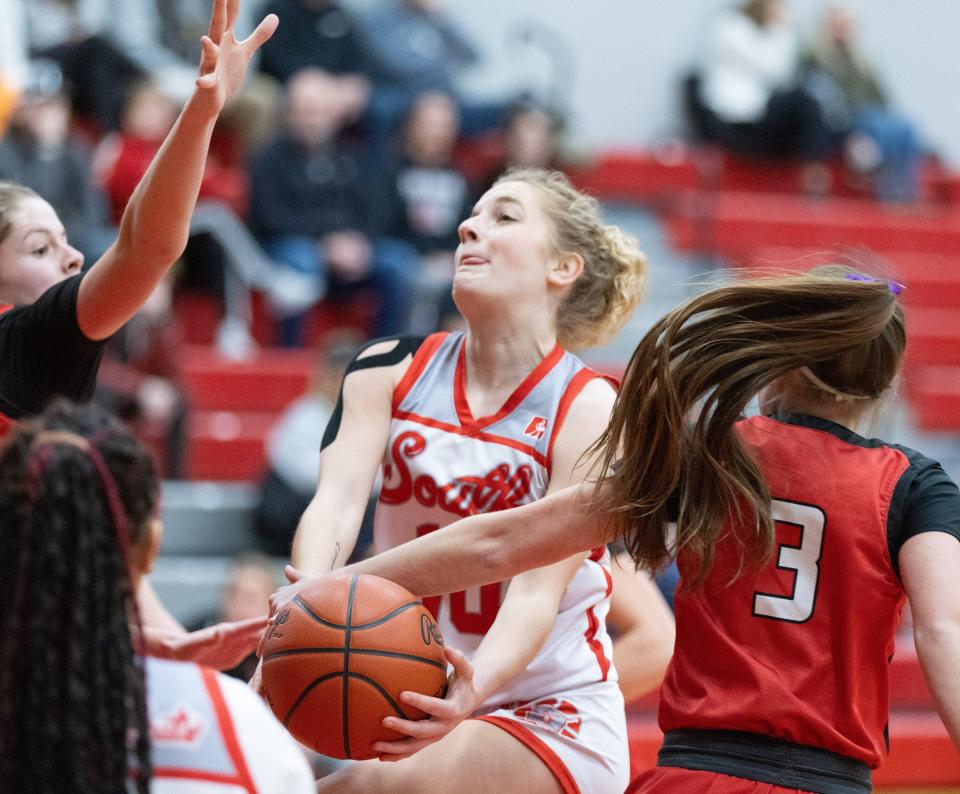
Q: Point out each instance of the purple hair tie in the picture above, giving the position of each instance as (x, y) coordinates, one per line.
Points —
(895, 286)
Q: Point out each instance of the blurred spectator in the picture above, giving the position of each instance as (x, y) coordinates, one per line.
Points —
(531, 139)
(750, 99)
(236, 262)
(245, 594)
(293, 450)
(310, 205)
(102, 45)
(13, 56)
(425, 199)
(413, 46)
(40, 152)
(139, 381)
(318, 34)
(875, 138)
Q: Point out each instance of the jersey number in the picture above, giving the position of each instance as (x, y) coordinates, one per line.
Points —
(464, 620)
(803, 560)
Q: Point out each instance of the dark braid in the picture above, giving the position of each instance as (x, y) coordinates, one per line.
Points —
(72, 689)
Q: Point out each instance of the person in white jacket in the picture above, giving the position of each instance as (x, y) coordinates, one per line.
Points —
(748, 85)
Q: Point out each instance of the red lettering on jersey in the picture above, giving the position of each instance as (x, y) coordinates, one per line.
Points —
(537, 428)
(182, 726)
(499, 489)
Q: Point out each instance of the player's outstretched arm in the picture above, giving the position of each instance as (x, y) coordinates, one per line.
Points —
(155, 224)
(484, 548)
(929, 563)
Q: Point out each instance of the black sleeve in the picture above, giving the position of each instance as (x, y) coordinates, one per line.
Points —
(930, 503)
(45, 354)
(406, 346)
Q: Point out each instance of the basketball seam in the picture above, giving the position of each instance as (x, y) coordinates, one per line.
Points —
(359, 651)
(306, 691)
(360, 626)
(346, 666)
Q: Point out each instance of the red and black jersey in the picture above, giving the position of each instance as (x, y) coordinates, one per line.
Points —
(801, 649)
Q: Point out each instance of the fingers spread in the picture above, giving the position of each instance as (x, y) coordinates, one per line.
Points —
(264, 31)
(233, 11)
(218, 20)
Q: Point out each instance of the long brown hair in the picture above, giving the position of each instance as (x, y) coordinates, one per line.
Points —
(671, 452)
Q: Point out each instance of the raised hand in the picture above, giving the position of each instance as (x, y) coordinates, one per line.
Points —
(224, 60)
(443, 714)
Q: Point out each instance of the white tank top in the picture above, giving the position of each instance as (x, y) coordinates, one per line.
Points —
(211, 734)
(441, 464)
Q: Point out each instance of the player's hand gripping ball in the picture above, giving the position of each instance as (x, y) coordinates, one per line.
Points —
(338, 656)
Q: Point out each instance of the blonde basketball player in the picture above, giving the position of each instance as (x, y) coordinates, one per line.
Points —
(484, 420)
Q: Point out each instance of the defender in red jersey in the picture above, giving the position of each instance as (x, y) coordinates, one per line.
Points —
(478, 422)
(797, 538)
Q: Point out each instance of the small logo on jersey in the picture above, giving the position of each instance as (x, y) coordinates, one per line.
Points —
(559, 716)
(183, 726)
(537, 428)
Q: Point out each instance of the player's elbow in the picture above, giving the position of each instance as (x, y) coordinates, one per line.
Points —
(496, 556)
(933, 633)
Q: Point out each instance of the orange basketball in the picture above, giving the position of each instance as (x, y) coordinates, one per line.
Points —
(338, 657)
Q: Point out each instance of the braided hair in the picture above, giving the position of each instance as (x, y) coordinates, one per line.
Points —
(76, 493)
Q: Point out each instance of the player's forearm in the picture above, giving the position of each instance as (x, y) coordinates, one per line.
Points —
(641, 660)
(154, 228)
(152, 611)
(156, 221)
(491, 547)
(326, 535)
(516, 637)
(938, 647)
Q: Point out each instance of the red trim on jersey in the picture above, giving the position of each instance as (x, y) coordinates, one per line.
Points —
(576, 385)
(193, 774)
(420, 360)
(5, 307)
(6, 424)
(540, 748)
(460, 431)
(227, 731)
(593, 626)
(467, 420)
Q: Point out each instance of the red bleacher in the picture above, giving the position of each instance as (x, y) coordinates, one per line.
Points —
(234, 404)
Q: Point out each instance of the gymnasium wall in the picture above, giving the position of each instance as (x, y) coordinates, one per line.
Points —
(627, 56)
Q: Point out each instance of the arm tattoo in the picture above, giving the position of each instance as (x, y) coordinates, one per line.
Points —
(336, 554)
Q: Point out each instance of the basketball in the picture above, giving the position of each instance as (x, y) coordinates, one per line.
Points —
(337, 658)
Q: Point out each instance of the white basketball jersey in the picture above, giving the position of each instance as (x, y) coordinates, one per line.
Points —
(441, 464)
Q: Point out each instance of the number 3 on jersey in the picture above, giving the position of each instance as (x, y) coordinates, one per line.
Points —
(466, 621)
(803, 560)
